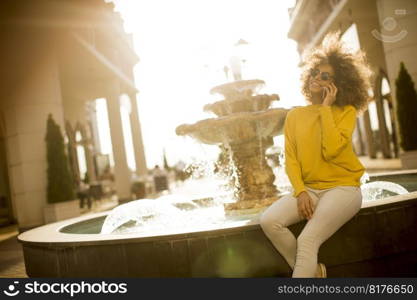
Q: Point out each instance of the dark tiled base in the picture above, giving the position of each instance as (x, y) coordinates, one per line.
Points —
(378, 241)
(398, 265)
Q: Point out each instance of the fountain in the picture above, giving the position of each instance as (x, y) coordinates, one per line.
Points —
(245, 125)
(193, 239)
(203, 236)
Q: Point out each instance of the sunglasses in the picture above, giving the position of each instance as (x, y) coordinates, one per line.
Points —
(323, 75)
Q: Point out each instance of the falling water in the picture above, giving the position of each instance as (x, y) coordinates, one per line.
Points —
(260, 144)
(282, 182)
(228, 108)
(380, 189)
(186, 212)
(180, 212)
(255, 105)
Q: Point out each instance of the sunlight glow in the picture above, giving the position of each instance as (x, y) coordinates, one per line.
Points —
(125, 108)
(104, 129)
(82, 164)
(183, 47)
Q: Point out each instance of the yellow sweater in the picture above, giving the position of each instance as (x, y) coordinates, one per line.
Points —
(318, 147)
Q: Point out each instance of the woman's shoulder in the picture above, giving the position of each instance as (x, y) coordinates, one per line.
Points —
(302, 111)
(311, 109)
(292, 113)
(349, 107)
(296, 110)
(345, 109)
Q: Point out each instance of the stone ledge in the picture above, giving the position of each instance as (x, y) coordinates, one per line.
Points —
(383, 228)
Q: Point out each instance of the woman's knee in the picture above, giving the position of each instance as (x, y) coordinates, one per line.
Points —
(268, 222)
(280, 214)
(265, 221)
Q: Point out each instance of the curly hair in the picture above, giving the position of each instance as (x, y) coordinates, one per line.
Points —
(352, 72)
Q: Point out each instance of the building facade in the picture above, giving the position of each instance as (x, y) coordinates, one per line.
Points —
(57, 57)
(386, 31)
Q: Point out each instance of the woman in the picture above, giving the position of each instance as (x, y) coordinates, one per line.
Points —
(320, 162)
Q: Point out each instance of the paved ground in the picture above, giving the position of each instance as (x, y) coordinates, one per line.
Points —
(11, 254)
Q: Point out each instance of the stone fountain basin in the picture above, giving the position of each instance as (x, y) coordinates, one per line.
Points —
(378, 241)
(235, 89)
(237, 128)
(248, 104)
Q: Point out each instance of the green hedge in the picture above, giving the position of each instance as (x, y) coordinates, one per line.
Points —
(60, 181)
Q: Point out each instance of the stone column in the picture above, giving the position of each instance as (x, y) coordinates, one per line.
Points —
(72, 151)
(369, 136)
(399, 40)
(141, 168)
(4, 174)
(88, 150)
(26, 109)
(393, 118)
(121, 169)
(366, 24)
(358, 142)
(383, 130)
(93, 125)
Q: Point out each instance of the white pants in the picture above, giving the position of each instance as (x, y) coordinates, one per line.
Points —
(332, 208)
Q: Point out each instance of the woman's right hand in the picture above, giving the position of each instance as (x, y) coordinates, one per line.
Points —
(305, 205)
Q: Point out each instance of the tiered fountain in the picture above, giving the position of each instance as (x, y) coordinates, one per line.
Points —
(245, 125)
(174, 236)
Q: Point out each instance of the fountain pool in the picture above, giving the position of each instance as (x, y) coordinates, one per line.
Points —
(378, 241)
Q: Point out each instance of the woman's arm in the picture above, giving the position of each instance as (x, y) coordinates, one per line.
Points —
(335, 137)
(292, 166)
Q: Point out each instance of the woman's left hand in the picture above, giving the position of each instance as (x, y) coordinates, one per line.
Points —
(330, 94)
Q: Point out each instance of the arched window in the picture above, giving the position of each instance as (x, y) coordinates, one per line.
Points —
(81, 159)
(103, 126)
(125, 111)
(385, 110)
(6, 214)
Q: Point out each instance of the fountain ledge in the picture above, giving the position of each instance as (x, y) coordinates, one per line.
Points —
(371, 244)
(51, 235)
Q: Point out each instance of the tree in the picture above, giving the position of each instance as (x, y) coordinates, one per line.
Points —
(406, 109)
(60, 181)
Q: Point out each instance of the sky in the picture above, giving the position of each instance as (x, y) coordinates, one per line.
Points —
(183, 46)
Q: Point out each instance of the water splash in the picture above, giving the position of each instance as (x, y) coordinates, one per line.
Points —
(282, 181)
(261, 158)
(365, 178)
(199, 168)
(193, 209)
(380, 189)
(166, 214)
(138, 213)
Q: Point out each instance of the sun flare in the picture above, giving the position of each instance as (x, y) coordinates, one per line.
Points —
(183, 48)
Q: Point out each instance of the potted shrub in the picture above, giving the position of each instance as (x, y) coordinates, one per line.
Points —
(407, 118)
(60, 187)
